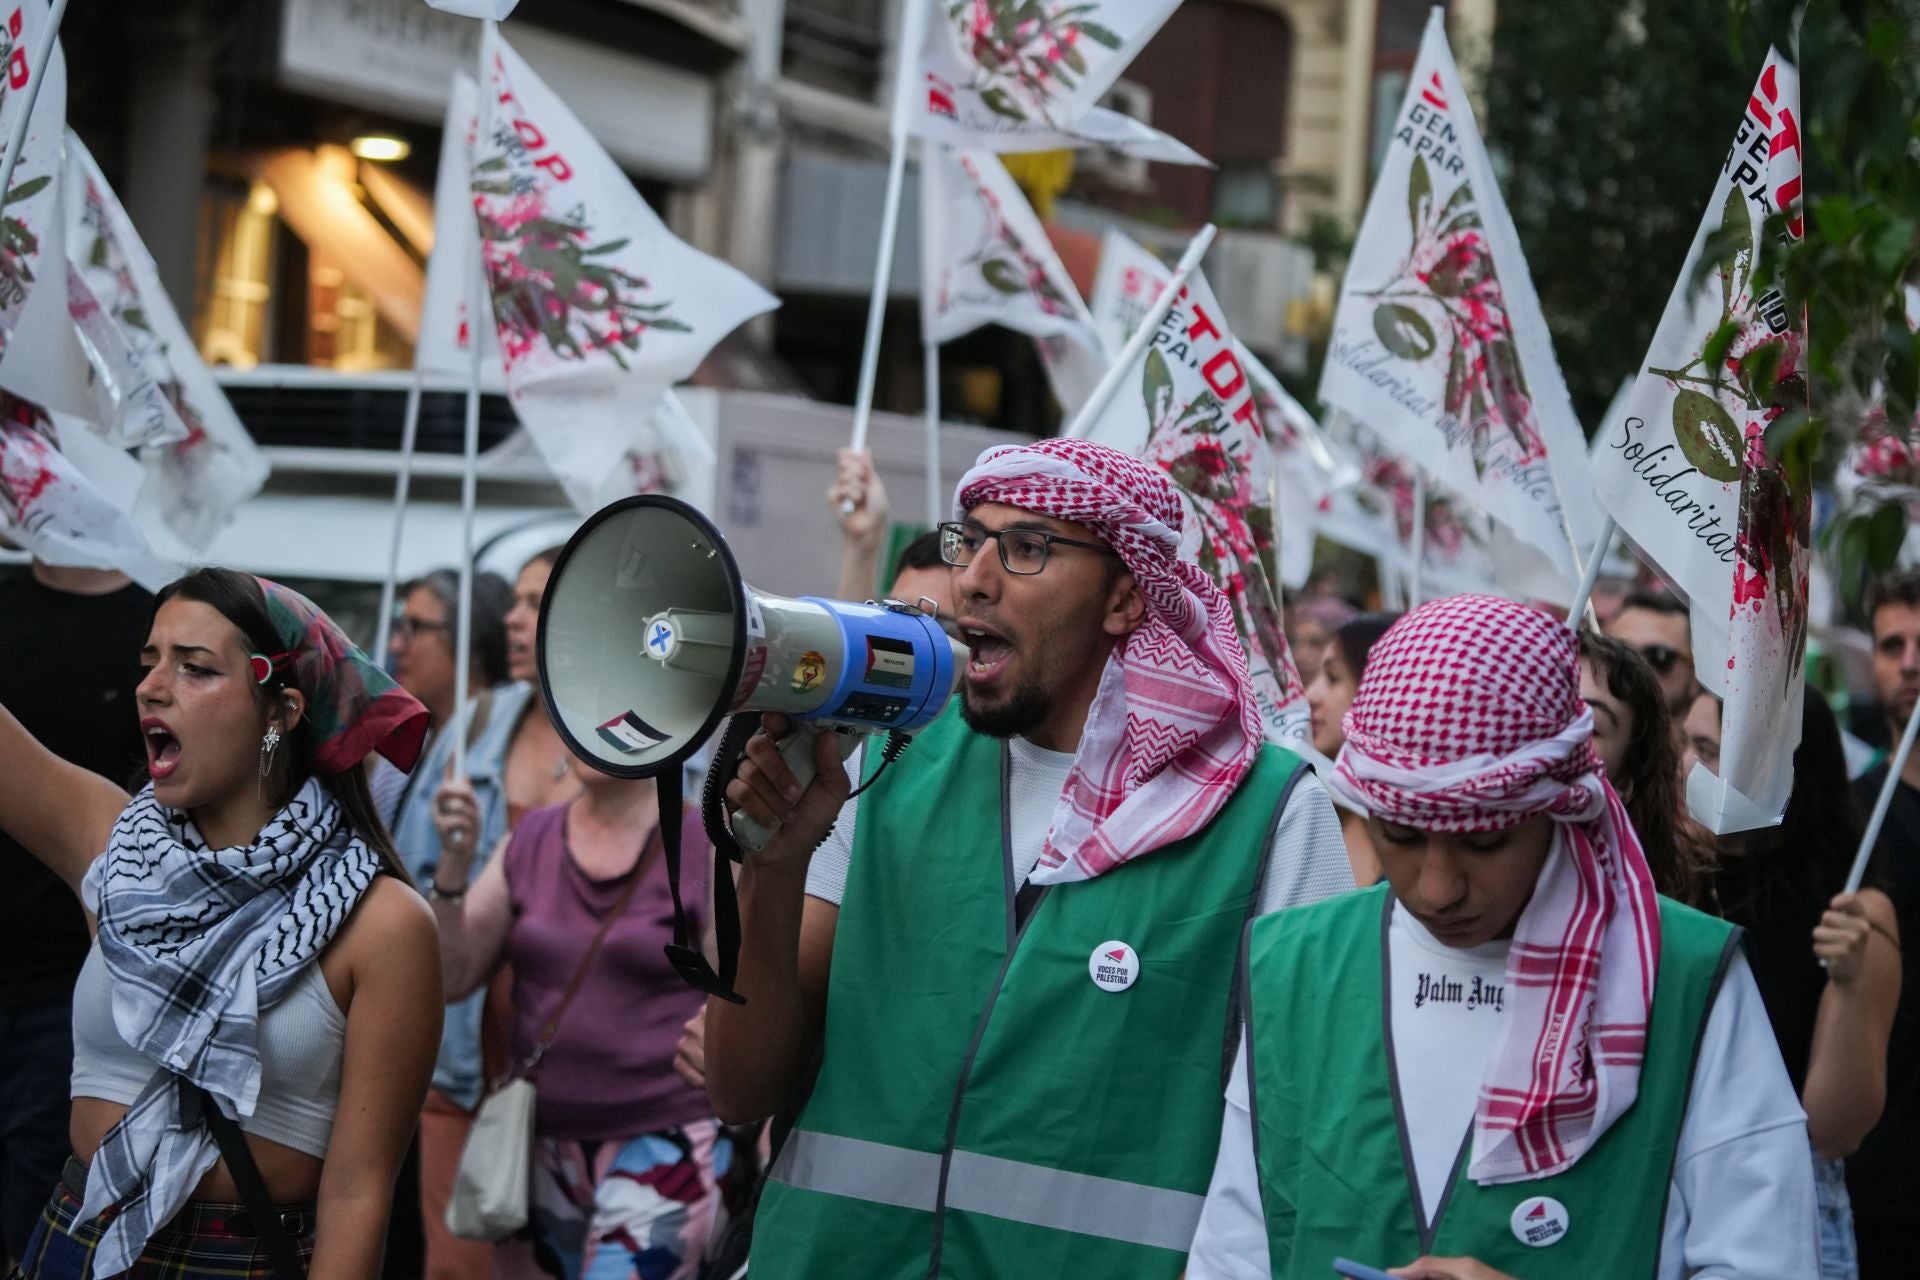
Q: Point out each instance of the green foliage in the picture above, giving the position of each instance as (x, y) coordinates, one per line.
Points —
(1612, 128)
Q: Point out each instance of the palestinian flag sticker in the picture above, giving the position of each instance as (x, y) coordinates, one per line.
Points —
(1539, 1221)
(1113, 966)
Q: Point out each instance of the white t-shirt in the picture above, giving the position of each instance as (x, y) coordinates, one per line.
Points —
(1741, 1200)
(1308, 860)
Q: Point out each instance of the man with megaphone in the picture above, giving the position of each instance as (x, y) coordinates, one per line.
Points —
(1015, 954)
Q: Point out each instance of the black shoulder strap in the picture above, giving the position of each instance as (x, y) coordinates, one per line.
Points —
(683, 953)
(196, 1106)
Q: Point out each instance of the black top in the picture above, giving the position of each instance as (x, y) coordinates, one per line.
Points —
(1883, 1176)
(68, 667)
(1778, 915)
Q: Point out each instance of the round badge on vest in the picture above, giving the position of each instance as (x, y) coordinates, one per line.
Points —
(1539, 1221)
(1114, 966)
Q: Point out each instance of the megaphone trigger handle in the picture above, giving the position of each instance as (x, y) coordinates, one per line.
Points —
(796, 749)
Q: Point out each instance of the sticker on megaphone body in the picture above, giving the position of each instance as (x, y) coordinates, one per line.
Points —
(629, 733)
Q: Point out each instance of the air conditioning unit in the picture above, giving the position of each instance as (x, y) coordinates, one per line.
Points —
(1135, 101)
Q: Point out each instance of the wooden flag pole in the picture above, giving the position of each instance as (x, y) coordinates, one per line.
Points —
(930, 369)
(402, 482)
(38, 57)
(1141, 338)
(1896, 765)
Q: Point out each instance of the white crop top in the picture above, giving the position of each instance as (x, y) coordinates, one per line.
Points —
(302, 1038)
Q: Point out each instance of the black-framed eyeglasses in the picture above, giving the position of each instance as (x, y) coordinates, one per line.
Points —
(406, 627)
(1022, 551)
(1660, 657)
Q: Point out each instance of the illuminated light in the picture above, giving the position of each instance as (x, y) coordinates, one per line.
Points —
(380, 146)
(261, 200)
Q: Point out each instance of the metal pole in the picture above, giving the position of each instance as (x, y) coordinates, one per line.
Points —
(1416, 582)
(930, 369)
(480, 311)
(37, 57)
(1601, 545)
(1896, 765)
(409, 433)
(907, 58)
(1123, 365)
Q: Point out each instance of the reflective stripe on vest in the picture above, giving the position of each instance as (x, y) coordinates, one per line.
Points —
(1034, 1194)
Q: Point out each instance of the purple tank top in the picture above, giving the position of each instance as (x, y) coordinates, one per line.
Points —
(609, 1073)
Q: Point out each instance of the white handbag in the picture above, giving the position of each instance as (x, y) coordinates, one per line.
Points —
(489, 1200)
(493, 1181)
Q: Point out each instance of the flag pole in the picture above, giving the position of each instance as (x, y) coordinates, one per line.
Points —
(479, 311)
(930, 370)
(409, 432)
(907, 54)
(1416, 583)
(38, 57)
(1583, 596)
(1142, 337)
(1896, 765)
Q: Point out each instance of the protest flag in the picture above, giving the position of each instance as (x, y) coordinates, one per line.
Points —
(1308, 465)
(1685, 471)
(599, 308)
(52, 501)
(985, 259)
(1439, 345)
(1009, 75)
(1026, 75)
(1189, 405)
(197, 480)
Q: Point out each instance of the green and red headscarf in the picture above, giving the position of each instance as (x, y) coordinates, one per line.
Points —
(353, 707)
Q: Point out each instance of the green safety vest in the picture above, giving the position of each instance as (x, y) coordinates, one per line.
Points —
(984, 1109)
(1336, 1176)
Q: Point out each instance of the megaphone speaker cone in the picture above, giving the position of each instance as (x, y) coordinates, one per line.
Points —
(642, 635)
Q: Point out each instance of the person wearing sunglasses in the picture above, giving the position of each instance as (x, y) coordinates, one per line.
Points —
(1655, 623)
(1013, 955)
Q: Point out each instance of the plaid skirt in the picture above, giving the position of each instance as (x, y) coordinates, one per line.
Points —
(201, 1243)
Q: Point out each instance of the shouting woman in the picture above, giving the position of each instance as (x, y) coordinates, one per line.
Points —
(259, 956)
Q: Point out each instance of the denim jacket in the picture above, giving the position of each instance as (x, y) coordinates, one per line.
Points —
(457, 1071)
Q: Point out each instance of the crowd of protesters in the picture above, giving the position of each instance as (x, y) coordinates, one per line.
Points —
(1091, 981)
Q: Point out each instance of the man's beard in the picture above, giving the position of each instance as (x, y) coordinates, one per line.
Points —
(1027, 709)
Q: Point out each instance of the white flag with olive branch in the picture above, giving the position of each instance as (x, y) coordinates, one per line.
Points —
(1025, 75)
(599, 308)
(1684, 466)
(1194, 410)
(1439, 344)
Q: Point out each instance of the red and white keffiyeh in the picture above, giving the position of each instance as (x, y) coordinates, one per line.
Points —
(1173, 727)
(1469, 718)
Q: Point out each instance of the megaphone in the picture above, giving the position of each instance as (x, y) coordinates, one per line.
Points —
(648, 637)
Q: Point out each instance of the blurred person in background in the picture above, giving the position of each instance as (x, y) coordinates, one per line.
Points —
(626, 1152)
(1634, 738)
(1884, 1174)
(515, 762)
(1655, 623)
(918, 571)
(67, 640)
(1828, 962)
(1313, 620)
(420, 657)
(1328, 696)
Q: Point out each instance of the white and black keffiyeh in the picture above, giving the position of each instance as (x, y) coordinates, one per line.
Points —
(198, 943)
